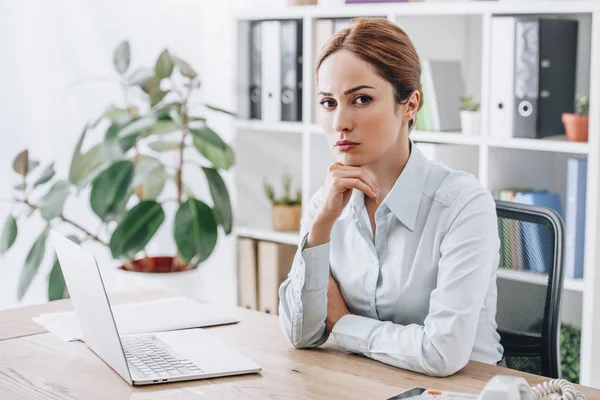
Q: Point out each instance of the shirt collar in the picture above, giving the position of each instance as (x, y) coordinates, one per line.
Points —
(405, 197)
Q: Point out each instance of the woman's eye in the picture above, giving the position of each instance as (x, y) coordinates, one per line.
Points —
(327, 103)
(362, 99)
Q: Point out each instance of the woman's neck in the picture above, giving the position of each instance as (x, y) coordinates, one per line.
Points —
(386, 170)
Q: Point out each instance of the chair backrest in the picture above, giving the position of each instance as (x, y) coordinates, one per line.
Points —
(530, 281)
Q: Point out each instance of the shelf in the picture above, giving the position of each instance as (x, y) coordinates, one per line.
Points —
(260, 126)
(575, 285)
(268, 235)
(421, 8)
(556, 144)
(445, 137)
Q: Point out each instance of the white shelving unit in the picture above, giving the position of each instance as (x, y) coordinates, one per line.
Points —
(439, 30)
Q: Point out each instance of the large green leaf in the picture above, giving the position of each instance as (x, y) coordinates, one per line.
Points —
(143, 166)
(137, 126)
(151, 85)
(195, 230)
(57, 288)
(209, 136)
(164, 111)
(110, 188)
(185, 68)
(156, 97)
(9, 234)
(32, 263)
(46, 175)
(164, 145)
(122, 57)
(135, 230)
(164, 65)
(21, 163)
(117, 115)
(221, 199)
(160, 128)
(213, 148)
(150, 177)
(51, 205)
(83, 165)
(56, 283)
(139, 76)
(111, 151)
(128, 142)
(154, 183)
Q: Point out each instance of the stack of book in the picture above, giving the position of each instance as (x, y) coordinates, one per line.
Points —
(262, 268)
(524, 244)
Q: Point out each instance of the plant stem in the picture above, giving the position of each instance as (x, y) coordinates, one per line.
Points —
(68, 221)
(178, 177)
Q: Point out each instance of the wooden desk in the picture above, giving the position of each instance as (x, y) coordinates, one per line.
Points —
(37, 365)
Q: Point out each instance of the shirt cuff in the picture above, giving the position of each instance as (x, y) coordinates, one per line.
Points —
(352, 332)
(316, 265)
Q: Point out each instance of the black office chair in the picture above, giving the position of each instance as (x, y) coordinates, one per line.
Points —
(530, 282)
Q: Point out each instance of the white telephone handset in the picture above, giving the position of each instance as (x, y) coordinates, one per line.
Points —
(502, 387)
(507, 387)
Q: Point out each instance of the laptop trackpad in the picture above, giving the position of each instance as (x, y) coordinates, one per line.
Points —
(206, 351)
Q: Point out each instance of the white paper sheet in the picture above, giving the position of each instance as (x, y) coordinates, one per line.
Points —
(150, 316)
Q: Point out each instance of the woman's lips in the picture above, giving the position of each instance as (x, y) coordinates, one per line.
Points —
(344, 146)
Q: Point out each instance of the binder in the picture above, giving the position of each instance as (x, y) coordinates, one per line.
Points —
(526, 78)
(274, 263)
(445, 87)
(558, 65)
(271, 71)
(247, 273)
(255, 70)
(502, 77)
(291, 70)
(575, 217)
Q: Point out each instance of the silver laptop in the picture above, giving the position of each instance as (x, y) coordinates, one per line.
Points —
(142, 359)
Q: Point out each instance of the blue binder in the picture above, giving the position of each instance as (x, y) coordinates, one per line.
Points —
(536, 238)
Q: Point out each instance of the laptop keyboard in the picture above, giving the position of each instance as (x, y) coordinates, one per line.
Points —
(153, 358)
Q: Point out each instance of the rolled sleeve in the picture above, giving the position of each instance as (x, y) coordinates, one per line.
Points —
(352, 332)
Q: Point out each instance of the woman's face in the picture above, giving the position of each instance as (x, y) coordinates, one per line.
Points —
(357, 110)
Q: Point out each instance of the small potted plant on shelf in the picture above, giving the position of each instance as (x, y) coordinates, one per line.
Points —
(469, 116)
(576, 125)
(286, 210)
(150, 140)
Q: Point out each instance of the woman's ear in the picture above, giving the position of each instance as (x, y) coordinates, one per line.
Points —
(412, 105)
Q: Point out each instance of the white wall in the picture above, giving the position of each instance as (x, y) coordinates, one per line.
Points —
(46, 47)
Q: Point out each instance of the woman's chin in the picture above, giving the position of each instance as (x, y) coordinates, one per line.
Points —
(352, 160)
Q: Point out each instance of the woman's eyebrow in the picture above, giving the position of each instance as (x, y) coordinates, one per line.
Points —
(347, 92)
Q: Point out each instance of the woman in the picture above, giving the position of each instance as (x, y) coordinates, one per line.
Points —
(398, 254)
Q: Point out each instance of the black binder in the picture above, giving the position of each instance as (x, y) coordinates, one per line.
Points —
(291, 70)
(557, 69)
(255, 70)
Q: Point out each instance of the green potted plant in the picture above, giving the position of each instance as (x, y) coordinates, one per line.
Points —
(126, 173)
(286, 210)
(469, 117)
(576, 125)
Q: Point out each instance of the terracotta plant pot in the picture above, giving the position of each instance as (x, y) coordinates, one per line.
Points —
(287, 218)
(576, 127)
(162, 273)
(156, 265)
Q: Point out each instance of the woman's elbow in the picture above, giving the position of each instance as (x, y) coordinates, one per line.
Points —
(443, 365)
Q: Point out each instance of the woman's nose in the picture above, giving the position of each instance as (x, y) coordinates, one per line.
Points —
(342, 120)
